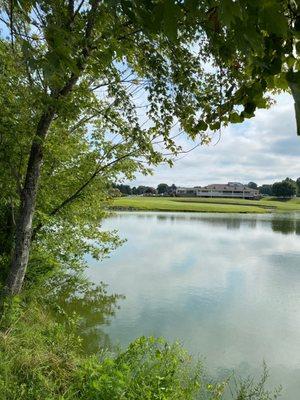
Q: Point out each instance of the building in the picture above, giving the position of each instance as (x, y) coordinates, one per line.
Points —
(183, 191)
(230, 189)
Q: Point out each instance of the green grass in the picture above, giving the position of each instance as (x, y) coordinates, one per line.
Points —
(206, 204)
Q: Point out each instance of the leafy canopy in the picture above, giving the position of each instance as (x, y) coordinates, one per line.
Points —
(111, 79)
(118, 77)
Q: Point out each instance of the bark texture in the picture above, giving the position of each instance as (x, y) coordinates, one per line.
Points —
(27, 207)
(295, 88)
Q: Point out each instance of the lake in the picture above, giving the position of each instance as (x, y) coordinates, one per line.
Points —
(226, 285)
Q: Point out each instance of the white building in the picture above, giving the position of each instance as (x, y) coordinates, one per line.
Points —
(184, 191)
(231, 189)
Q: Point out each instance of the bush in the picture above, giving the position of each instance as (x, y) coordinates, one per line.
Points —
(149, 369)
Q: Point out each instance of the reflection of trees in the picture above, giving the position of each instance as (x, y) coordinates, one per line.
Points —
(228, 221)
(233, 224)
(286, 226)
(91, 305)
(297, 227)
(281, 224)
(164, 217)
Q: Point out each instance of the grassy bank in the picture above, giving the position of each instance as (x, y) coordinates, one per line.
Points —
(193, 204)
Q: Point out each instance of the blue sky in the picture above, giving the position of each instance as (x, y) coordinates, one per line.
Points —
(264, 149)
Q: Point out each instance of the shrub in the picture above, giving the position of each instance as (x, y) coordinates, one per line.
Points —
(149, 369)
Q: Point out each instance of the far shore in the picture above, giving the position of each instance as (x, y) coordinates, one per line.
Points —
(212, 205)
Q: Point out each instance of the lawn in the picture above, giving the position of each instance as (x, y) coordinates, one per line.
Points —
(206, 204)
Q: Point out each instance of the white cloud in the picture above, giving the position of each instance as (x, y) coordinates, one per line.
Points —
(263, 149)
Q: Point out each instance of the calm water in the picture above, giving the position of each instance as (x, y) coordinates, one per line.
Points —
(227, 286)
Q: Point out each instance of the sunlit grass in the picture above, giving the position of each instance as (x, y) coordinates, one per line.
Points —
(222, 205)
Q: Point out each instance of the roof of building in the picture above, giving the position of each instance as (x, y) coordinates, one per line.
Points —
(227, 186)
(220, 186)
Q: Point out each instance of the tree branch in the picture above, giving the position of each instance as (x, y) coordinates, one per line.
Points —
(66, 89)
(78, 9)
(71, 9)
(77, 193)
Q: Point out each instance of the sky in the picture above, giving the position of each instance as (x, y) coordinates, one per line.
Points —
(263, 149)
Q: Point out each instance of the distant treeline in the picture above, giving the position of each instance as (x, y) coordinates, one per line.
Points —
(286, 188)
(162, 189)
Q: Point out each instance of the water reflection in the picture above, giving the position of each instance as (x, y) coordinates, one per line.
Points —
(282, 223)
(92, 305)
(227, 286)
(286, 226)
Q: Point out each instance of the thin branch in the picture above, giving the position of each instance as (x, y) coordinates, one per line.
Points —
(11, 22)
(171, 137)
(86, 119)
(78, 9)
(129, 34)
(39, 16)
(66, 89)
(78, 192)
(71, 9)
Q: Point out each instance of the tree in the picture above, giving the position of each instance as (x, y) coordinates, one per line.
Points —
(265, 190)
(70, 66)
(124, 189)
(287, 179)
(252, 185)
(298, 186)
(162, 188)
(141, 189)
(284, 189)
(114, 192)
(172, 190)
(150, 190)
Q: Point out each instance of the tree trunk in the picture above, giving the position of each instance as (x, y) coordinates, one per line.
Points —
(27, 207)
(295, 89)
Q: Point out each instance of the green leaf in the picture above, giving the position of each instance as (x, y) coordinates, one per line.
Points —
(274, 66)
(229, 10)
(272, 16)
(249, 108)
(170, 19)
(215, 126)
(202, 125)
(235, 118)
